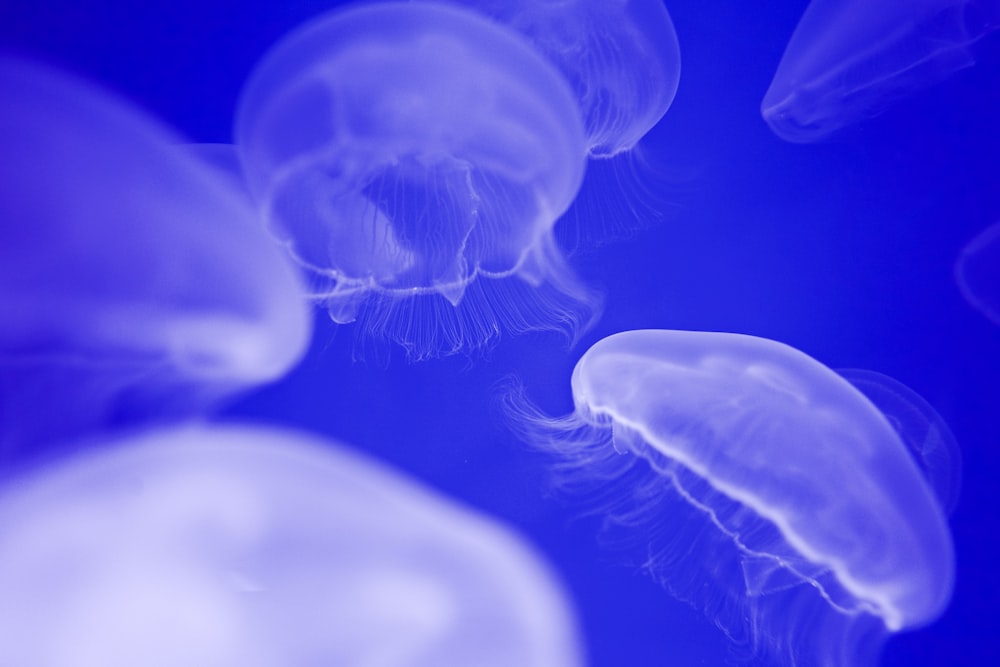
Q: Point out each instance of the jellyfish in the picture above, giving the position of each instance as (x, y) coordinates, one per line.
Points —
(413, 158)
(133, 281)
(622, 61)
(850, 59)
(931, 443)
(620, 57)
(235, 545)
(755, 484)
(977, 272)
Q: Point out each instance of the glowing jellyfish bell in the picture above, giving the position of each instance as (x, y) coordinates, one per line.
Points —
(763, 487)
(620, 57)
(233, 545)
(125, 266)
(850, 59)
(414, 158)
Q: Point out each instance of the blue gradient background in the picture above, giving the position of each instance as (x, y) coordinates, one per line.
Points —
(843, 249)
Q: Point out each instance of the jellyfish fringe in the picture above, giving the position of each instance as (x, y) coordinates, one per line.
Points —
(428, 325)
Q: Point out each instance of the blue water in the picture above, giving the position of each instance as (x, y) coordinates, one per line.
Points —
(843, 249)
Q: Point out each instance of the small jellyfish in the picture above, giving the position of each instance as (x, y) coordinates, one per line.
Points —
(236, 545)
(131, 276)
(977, 272)
(620, 57)
(850, 59)
(414, 158)
(930, 441)
(759, 486)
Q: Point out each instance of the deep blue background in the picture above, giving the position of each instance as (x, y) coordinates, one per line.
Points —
(844, 250)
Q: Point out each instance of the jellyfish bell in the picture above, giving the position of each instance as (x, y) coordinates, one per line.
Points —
(851, 59)
(620, 57)
(622, 61)
(240, 545)
(414, 158)
(125, 266)
(761, 487)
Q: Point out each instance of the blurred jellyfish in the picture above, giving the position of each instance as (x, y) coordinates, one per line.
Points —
(759, 486)
(850, 59)
(127, 269)
(620, 57)
(238, 546)
(977, 272)
(413, 158)
(930, 441)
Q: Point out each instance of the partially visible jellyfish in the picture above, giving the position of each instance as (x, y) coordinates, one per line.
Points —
(237, 546)
(757, 485)
(850, 59)
(622, 61)
(131, 277)
(620, 57)
(930, 441)
(977, 272)
(414, 158)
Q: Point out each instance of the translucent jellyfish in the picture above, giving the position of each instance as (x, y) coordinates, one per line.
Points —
(238, 546)
(977, 272)
(414, 158)
(620, 56)
(127, 269)
(930, 441)
(622, 60)
(850, 59)
(758, 485)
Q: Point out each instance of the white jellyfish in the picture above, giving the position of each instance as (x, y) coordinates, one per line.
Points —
(622, 61)
(620, 57)
(414, 158)
(850, 59)
(760, 486)
(241, 546)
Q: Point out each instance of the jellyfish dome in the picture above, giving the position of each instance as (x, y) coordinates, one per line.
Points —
(413, 158)
(851, 59)
(124, 263)
(762, 487)
(238, 545)
(621, 58)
